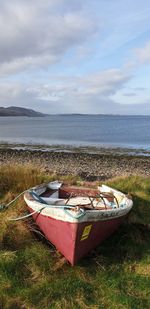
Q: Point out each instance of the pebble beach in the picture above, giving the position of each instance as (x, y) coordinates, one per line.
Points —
(89, 166)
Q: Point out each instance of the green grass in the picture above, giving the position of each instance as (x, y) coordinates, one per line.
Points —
(33, 275)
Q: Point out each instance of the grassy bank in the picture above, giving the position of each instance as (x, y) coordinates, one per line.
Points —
(33, 275)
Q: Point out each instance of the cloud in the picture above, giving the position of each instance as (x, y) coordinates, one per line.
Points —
(130, 94)
(103, 83)
(10, 91)
(84, 94)
(143, 54)
(37, 33)
(139, 88)
(54, 55)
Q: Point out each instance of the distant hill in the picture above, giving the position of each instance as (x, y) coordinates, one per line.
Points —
(19, 111)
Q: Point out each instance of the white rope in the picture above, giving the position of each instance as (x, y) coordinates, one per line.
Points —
(7, 205)
(27, 216)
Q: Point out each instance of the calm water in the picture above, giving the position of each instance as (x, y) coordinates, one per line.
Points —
(109, 131)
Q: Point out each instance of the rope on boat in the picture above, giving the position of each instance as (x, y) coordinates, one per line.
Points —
(65, 208)
(5, 206)
(26, 216)
(39, 199)
(81, 214)
(35, 195)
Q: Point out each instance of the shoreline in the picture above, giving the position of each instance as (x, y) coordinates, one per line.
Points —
(93, 149)
(86, 162)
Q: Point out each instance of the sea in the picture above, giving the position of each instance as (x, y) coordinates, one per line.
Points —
(107, 131)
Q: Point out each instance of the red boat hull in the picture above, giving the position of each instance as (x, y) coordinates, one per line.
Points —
(75, 240)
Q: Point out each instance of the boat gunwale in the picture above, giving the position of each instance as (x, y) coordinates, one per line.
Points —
(89, 214)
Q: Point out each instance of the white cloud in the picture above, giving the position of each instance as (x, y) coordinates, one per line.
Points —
(76, 94)
(72, 38)
(130, 94)
(143, 53)
(10, 91)
(86, 94)
(100, 84)
(35, 33)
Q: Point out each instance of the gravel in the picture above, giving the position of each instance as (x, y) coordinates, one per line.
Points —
(89, 166)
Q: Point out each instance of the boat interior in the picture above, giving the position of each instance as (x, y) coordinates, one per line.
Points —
(86, 198)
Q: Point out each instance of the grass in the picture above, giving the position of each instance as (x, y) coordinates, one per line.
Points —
(33, 275)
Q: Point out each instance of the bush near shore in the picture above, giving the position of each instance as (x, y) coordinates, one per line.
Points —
(33, 275)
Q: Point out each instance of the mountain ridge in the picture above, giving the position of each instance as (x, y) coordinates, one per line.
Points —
(19, 111)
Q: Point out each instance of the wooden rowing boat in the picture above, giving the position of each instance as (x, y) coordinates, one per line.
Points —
(77, 219)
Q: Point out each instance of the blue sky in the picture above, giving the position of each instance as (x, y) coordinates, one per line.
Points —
(75, 56)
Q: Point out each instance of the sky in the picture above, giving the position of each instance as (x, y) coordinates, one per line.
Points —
(75, 56)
